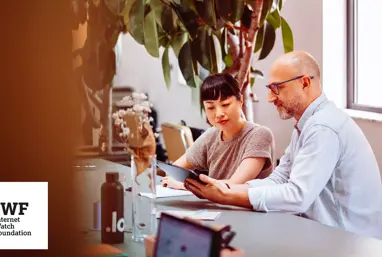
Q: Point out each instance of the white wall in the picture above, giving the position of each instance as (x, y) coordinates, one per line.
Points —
(144, 73)
(334, 71)
(304, 17)
(141, 71)
(373, 132)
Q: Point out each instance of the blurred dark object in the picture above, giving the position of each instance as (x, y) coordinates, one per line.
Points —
(196, 132)
(160, 152)
(205, 172)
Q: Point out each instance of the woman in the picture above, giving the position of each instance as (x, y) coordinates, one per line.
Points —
(232, 150)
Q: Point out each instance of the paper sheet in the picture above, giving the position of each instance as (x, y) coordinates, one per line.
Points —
(199, 215)
(167, 192)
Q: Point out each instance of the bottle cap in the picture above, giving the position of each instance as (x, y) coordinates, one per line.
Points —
(112, 176)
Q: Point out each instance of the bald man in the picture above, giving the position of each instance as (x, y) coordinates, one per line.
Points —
(328, 173)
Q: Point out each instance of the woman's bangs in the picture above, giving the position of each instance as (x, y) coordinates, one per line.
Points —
(215, 92)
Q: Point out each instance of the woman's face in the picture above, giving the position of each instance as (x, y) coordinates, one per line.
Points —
(223, 114)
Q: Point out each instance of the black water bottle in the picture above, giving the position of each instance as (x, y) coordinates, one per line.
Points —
(112, 216)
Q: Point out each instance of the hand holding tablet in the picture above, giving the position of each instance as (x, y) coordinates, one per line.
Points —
(178, 173)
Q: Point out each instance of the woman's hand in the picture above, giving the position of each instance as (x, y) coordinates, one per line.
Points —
(172, 183)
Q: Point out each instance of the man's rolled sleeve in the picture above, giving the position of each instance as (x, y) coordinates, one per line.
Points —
(256, 198)
(312, 168)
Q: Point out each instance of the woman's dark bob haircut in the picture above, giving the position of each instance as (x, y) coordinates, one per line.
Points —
(219, 86)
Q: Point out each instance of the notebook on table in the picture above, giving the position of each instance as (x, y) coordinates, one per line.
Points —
(198, 215)
(162, 192)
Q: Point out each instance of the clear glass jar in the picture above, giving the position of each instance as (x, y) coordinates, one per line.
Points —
(144, 211)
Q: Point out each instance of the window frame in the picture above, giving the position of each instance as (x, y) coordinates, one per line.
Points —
(351, 63)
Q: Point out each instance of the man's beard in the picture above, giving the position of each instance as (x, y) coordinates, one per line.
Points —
(288, 110)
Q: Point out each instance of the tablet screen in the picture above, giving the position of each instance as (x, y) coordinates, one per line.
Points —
(178, 238)
(177, 173)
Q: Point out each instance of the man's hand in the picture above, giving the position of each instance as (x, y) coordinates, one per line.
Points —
(218, 191)
(213, 190)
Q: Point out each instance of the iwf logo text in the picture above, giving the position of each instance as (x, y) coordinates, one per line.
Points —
(23, 215)
(11, 208)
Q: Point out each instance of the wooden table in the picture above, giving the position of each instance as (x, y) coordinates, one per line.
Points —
(258, 234)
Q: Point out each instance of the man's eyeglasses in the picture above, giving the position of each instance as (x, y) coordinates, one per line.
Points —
(275, 86)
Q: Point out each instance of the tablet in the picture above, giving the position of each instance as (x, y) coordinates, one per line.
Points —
(180, 237)
(178, 173)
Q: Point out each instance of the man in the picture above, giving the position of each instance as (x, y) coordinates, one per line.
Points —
(328, 172)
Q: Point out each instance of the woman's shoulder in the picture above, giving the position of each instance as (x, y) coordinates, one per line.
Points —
(260, 131)
(209, 133)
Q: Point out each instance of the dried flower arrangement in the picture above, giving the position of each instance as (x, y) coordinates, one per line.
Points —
(133, 127)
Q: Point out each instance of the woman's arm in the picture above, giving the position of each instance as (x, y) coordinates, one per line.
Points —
(248, 169)
(196, 154)
(258, 149)
(170, 182)
(182, 162)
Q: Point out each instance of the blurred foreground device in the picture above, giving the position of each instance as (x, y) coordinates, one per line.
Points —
(186, 237)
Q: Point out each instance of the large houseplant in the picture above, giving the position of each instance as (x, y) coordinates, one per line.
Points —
(210, 36)
(206, 36)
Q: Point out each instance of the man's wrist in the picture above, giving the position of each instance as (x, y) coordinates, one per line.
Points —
(237, 198)
(229, 197)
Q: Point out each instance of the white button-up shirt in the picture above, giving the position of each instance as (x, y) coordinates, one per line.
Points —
(328, 173)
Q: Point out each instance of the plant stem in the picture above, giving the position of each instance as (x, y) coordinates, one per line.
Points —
(242, 28)
(246, 61)
(166, 3)
(233, 43)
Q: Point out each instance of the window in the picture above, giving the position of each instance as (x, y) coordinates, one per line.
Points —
(364, 55)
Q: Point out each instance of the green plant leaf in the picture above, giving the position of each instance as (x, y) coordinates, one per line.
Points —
(189, 3)
(267, 5)
(201, 48)
(177, 41)
(224, 42)
(206, 49)
(216, 54)
(259, 39)
(151, 35)
(115, 6)
(269, 41)
(168, 19)
(274, 18)
(163, 38)
(287, 36)
(252, 81)
(188, 18)
(280, 4)
(166, 68)
(206, 11)
(157, 6)
(126, 13)
(136, 21)
(195, 64)
(230, 10)
(228, 60)
(257, 73)
(186, 66)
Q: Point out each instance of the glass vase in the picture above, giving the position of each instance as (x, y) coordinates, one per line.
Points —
(144, 222)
